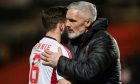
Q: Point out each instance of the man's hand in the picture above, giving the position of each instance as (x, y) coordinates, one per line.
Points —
(50, 58)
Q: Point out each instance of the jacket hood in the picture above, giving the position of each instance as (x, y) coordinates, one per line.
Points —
(100, 24)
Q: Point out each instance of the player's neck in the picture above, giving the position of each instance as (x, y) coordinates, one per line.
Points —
(56, 35)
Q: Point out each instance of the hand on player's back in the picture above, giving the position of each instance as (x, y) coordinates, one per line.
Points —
(50, 58)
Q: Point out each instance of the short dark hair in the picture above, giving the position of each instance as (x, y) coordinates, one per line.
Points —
(52, 16)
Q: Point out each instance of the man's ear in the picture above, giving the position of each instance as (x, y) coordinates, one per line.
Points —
(61, 26)
(88, 23)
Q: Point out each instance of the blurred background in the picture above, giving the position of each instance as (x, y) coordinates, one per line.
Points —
(21, 29)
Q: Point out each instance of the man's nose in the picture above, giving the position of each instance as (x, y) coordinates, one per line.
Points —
(67, 23)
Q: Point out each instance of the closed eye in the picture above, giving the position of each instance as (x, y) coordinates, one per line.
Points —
(72, 20)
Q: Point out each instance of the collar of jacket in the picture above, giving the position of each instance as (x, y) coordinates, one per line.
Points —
(99, 24)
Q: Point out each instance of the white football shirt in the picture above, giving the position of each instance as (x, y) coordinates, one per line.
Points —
(40, 74)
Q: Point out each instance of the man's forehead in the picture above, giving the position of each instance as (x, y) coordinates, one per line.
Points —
(73, 12)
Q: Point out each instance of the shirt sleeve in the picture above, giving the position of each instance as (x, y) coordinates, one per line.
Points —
(66, 52)
(58, 76)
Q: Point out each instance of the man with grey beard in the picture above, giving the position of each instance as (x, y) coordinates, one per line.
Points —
(95, 53)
